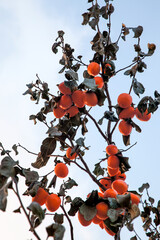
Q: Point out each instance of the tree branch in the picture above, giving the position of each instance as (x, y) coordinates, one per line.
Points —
(70, 223)
(24, 210)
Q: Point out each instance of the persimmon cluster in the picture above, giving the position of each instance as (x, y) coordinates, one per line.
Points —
(128, 112)
(71, 100)
(52, 201)
(115, 185)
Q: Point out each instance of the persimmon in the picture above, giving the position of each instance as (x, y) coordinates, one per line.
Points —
(102, 209)
(61, 170)
(100, 194)
(90, 99)
(106, 182)
(101, 224)
(143, 117)
(127, 113)
(53, 202)
(125, 128)
(68, 154)
(121, 176)
(82, 220)
(64, 89)
(111, 149)
(113, 161)
(58, 112)
(120, 186)
(65, 101)
(99, 82)
(112, 171)
(135, 199)
(110, 193)
(96, 220)
(78, 98)
(73, 110)
(40, 197)
(93, 69)
(124, 100)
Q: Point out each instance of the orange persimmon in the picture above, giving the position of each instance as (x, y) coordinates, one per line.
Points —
(61, 170)
(53, 202)
(93, 69)
(124, 100)
(125, 128)
(40, 197)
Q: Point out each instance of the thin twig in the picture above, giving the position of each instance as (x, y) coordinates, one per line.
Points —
(99, 129)
(113, 129)
(137, 234)
(125, 68)
(24, 210)
(70, 223)
(129, 147)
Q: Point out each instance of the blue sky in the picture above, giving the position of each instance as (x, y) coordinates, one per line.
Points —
(28, 29)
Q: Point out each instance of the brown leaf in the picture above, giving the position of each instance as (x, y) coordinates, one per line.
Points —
(40, 161)
(134, 211)
(48, 146)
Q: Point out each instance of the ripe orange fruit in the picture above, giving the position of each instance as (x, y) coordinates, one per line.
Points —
(90, 99)
(121, 176)
(143, 117)
(58, 112)
(125, 128)
(73, 110)
(120, 186)
(68, 154)
(40, 197)
(53, 202)
(113, 161)
(61, 170)
(106, 182)
(65, 102)
(135, 198)
(99, 82)
(124, 100)
(64, 89)
(100, 194)
(78, 98)
(127, 113)
(110, 193)
(101, 224)
(82, 220)
(93, 69)
(111, 149)
(102, 209)
(96, 220)
(112, 171)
